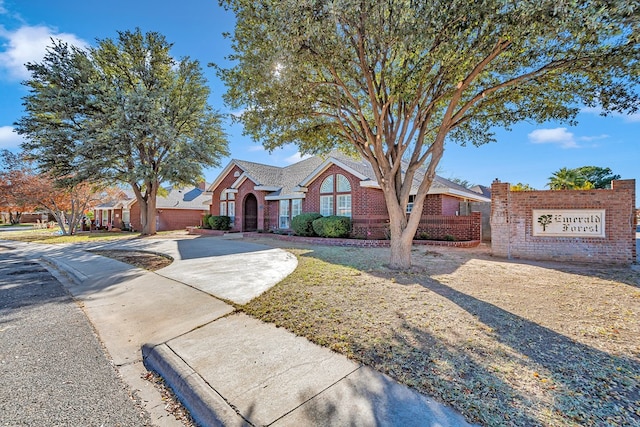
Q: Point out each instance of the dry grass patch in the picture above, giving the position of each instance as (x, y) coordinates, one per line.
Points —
(505, 343)
(147, 260)
(52, 236)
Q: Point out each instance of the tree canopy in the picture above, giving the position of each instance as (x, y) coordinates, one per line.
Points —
(23, 189)
(125, 112)
(598, 176)
(522, 187)
(582, 178)
(393, 80)
(17, 184)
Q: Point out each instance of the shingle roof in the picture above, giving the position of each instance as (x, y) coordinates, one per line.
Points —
(259, 173)
(184, 198)
(177, 198)
(287, 179)
(482, 189)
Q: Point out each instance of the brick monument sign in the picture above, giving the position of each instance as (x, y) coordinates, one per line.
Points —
(565, 225)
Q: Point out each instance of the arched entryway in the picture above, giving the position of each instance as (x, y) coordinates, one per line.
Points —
(250, 222)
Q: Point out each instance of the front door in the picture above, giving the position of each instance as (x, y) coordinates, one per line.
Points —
(250, 213)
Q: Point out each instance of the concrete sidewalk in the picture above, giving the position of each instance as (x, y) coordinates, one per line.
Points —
(227, 368)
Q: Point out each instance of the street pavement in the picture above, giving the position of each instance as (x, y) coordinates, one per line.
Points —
(227, 368)
(53, 369)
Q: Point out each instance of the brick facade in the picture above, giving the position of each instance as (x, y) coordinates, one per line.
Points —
(368, 208)
(512, 224)
(243, 191)
(167, 219)
(178, 219)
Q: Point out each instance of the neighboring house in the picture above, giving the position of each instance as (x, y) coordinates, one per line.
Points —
(263, 197)
(180, 208)
(482, 189)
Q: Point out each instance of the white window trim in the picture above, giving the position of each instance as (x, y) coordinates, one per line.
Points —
(283, 214)
(339, 209)
(296, 207)
(326, 210)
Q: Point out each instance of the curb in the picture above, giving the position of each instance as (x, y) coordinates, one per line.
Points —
(74, 274)
(205, 405)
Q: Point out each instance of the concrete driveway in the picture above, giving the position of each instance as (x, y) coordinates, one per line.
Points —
(218, 265)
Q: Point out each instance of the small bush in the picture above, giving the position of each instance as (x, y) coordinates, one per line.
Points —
(302, 225)
(221, 222)
(332, 226)
(450, 238)
(205, 221)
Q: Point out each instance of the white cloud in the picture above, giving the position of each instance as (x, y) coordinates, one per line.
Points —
(295, 158)
(558, 136)
(256, 148)
(29, 44)
(8, 138)
(2, 8)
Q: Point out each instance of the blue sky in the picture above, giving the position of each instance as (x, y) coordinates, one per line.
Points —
(530, 153)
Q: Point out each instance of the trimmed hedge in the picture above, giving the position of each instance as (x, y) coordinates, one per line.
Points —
(205, 221)
(302, 225)
(332, 226)
(221, 222)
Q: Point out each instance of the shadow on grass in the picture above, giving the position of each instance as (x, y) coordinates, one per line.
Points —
(562, 380)
(589, 386)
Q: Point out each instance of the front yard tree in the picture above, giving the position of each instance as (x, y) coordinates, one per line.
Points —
(393, 79)
(17, 184)
(69, 204)
(125, 112)
(23, 189)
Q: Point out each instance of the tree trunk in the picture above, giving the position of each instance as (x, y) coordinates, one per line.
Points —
(59, 216)
(148, 213)
(15, 219)
(401, 251)
(401, 234)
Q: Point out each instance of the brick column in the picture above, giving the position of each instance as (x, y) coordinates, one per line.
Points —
(627, 190)
(500, 227)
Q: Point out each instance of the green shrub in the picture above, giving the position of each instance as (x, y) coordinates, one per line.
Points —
(332, 226)
(221, 222)
(302, 225)
(205, 221)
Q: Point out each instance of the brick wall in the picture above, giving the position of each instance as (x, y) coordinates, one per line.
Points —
(369, 210)
(485, 209)
(512, 224)
(246, 188)
(134, 216)
(178, 219)
(450, 205)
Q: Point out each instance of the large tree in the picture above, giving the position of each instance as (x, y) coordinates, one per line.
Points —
(568, 179)
(582, 178)
(17, 185)
(68, 204)
(23, 189)
(393, 79)
(125, 112)
(598, 176)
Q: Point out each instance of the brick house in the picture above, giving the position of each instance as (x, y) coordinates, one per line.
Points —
(263, 197)
(180, 208)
